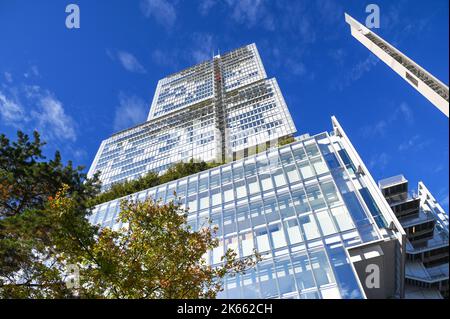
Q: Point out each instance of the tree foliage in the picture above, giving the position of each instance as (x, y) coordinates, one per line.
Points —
(44, 231)
(152, 179)
(156, 256)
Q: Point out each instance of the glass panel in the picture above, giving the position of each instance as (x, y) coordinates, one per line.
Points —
(229, 224)
(238, 172)
(346, 278)
(286, 157)
(293, 231)
(192, 203)
(216, 221)
(253, 185)
(266, 182)
(277, 236)
(279, 178)
(285, 206)
(241, 190)
(285, 275)
(262, 239)
(214, 181)
(257, 214)
(226, 176)
(315, 197)
(342, 218)
(309, 227)
(321, 268)
(203, 200)
(373, 207)
(218, 253)
(250, 285)
(247, 244)
(319, 166)
(203, 184)
(270, 209)
(267, 280)
(228, 194)
(302, 271)
(232, 243)
(300, 203)
(305, 170)
(299, 154)
(216, 197)
(292, 174)
(312, 150)
(330, 193)
(325, 222)
(243, 217)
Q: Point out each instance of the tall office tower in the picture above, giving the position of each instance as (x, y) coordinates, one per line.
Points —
(426, 227)
(214, 111)
(429, 86)
(311, 208)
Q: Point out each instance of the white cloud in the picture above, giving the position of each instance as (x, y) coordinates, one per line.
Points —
(161, 10)
(129, 62)
(40, 110)
(203, 47)
(11, 112)
(132, 110)
(380, 128)
(51, 118)
(407, 113)
(357, 71)
(251, 13)
(415, 143)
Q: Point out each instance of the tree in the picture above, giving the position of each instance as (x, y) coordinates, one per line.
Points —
(152, 179)
(30, 233)
(156, 256)
(44, 230)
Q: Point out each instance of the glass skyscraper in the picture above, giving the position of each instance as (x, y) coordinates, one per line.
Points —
(311, 208)
(213, 111)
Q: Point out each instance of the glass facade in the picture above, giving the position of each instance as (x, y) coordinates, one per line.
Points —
(307, 207)
(298, 205)
(207, 112)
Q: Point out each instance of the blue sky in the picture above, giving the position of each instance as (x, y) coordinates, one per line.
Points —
(78, 87)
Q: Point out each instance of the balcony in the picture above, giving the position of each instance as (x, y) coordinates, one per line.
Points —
(394, 188)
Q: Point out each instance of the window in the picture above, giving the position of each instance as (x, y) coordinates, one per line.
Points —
(309, 227)
(315, 197)
(262, 239)
(319, 166)
(305, 170)
(285, 205)
(277, 236)
(266, 182)
(321, 268)
(325, 222)
(241, 190)
(330, 193)
(302, 271)
(300, 202)
(228, 194)
(279, 178)
(229, 224)
(293, 231)
(247, 244)
(292, 174)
